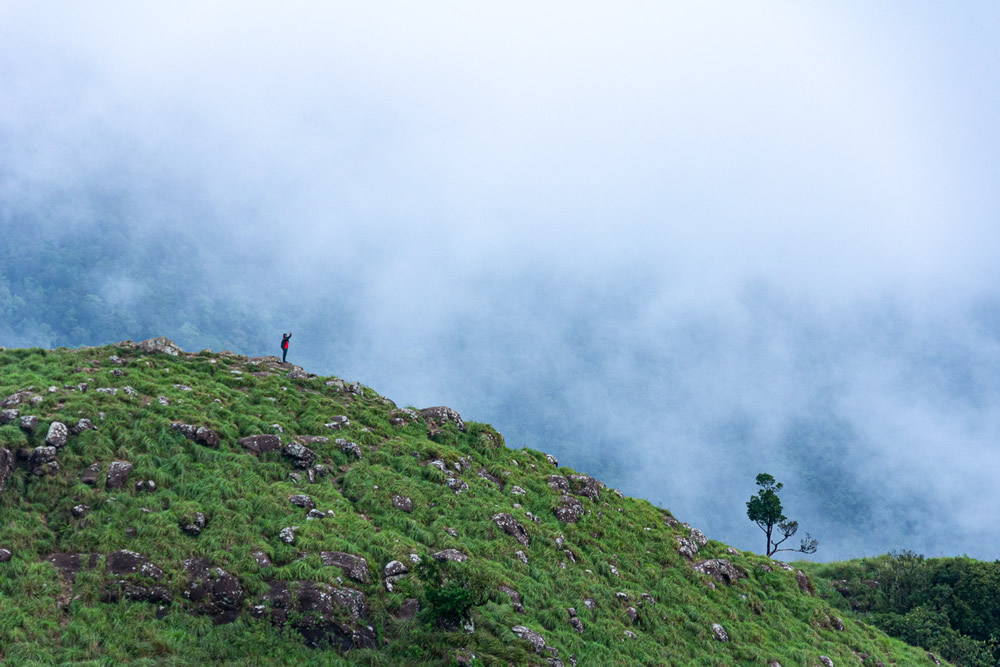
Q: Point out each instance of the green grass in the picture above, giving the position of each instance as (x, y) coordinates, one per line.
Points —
(47, 620)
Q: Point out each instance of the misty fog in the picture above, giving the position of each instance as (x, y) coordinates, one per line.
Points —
(672, 246)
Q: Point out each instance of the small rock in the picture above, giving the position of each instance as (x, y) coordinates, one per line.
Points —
(339, 422)
(80, 511)
(206, 437)
(118, 473)
(261, 558)
(402, 503)
(827, 662)
(805, 585)
(452, 555)
(720, 632)
(8, 415)
(355, 567)
(163, 400)
(197, 525)
(82, 425)
(530, 636)
(409, 608)
(6, 555)
(510, 526)
(91, 474)
(687, 547)
(631, 635)
(301, 456)
(29, 423)
(570, 510)
(517, 491)
(522, 556)
(287, 535)
(42, 461)
(315, 514)
(258, 444)
(15, 399)
(437, 417)
(721, 570)
(348, 447)
(301, 500)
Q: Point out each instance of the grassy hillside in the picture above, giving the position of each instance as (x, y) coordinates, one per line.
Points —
(162, 532)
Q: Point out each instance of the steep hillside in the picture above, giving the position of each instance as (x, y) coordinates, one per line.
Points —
(171, 508)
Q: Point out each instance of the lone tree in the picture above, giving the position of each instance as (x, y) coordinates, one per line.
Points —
(764, 509)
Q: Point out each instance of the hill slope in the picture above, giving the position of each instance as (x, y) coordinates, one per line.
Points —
(175, 508)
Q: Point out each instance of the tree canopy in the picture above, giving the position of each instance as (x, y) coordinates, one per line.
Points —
(765, 510)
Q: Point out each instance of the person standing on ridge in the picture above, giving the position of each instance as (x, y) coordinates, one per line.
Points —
(284, 345)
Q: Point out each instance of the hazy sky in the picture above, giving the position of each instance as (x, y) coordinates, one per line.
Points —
(674, 245)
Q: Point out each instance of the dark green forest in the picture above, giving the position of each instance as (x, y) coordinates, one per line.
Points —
(947, 605)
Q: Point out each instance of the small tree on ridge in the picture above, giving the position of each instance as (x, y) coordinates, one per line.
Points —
(764, 509)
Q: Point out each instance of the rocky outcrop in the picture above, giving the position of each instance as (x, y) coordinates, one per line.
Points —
(160, 345)
(325, 616)
(16, 398)
(213, 591)
(585, 485)
(721, 570)
(355, 567)
(569, 510)
(29, 423)
(131, 562)
(403, 417)
(437, 417)
(510, 526)
(120, 590)
(558, 483)
(69, 564)
(7, 416)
